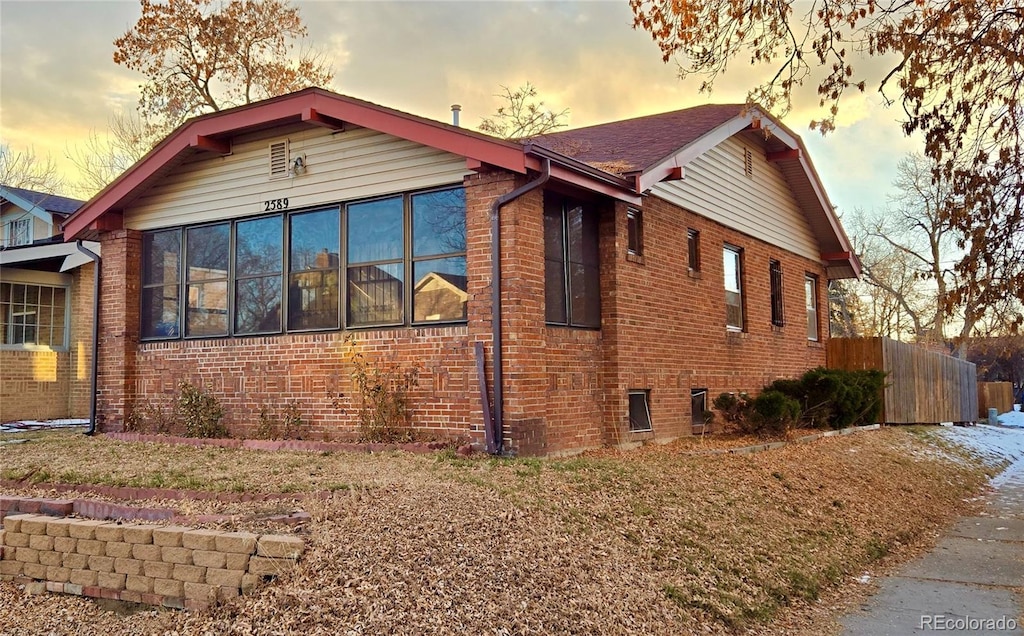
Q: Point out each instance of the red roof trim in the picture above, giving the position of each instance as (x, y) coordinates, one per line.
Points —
(314, 105)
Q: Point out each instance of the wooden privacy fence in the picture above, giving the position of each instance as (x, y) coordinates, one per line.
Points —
(997, 395)
(922, 387)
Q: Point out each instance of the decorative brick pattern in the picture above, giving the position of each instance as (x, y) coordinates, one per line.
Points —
(167, 568)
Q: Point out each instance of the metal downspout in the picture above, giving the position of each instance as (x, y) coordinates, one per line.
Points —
(95, 333)
(494, 438)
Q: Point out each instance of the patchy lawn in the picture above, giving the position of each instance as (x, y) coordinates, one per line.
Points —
(653, 541)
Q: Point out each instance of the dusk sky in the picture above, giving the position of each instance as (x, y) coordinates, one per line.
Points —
(58, 80)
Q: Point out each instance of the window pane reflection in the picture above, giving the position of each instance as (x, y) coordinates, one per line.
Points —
(375, 231)
(375, 294)
(440, 292)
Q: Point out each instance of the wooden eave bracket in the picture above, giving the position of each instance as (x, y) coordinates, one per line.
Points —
(789, 154)
(202, 142)
(311, 116)
(108, 222)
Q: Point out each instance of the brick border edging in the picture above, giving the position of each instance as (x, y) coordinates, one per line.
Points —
(292, 444)
(129, 492)
(803, 439)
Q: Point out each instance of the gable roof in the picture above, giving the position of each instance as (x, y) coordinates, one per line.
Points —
(654, 148)
(214, 132)
(631, 145)
(623, 159)
(39, 203)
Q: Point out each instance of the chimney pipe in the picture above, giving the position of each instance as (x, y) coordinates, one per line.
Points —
(455, 114)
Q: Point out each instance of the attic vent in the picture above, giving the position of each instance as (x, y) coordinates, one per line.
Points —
(279, 159)
(748, 163)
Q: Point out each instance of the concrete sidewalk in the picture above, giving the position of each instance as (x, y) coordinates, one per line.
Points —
(971, 583)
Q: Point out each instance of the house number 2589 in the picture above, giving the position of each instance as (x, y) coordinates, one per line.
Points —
(275, 204)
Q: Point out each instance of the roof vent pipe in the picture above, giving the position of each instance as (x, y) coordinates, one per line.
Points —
(455, 114)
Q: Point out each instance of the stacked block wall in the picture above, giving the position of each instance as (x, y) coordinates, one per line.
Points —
(159, 565)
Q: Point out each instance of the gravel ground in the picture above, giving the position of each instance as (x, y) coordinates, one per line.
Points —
(653, 541)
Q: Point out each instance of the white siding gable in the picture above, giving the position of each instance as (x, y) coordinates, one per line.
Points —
(342, 166)
(762, 206)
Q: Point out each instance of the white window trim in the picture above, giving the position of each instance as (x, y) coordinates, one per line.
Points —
(40, 279)
(811, 296)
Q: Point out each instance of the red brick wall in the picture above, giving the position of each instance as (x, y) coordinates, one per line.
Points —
(664, 328)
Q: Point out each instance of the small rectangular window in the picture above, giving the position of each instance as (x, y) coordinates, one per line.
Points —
(635, 231)
(639, 410)
(733, 267)
(19, 232)
(811, 293)
(775, 279)
(314, 270)
(161, 284)
(698, 406)
(693, 249)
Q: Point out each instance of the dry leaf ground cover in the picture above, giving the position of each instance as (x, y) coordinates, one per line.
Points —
(653, 541)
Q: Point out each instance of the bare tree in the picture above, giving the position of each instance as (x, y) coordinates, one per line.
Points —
(522, 115)
(23, 169)
(104, 157)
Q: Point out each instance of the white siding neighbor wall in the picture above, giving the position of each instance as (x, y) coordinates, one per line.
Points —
(343, 166)
(715, 186)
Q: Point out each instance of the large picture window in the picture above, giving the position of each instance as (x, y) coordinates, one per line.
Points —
(235, 277)
(572, 288)
(33, 315)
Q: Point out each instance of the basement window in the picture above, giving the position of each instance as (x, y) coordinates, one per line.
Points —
(698, 405)
(279, 159)
(639, 410)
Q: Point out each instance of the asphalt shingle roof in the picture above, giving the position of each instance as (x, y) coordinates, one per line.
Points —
(632, 145)
(49, 202)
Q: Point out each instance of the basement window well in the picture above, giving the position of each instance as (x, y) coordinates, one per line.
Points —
(639, 410)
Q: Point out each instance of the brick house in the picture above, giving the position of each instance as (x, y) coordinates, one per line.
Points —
(644, 265)
(46, 309)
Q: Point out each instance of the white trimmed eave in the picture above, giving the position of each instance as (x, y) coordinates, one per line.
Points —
(839, 264)
(72, 257)
(26, 205)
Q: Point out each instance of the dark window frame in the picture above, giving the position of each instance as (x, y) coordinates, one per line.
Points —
(645, 424)
(558, 208)
(286, 272)
(775, 283)
(693, 249)
(635, 231)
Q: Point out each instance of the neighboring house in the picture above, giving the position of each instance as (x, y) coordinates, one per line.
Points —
(644, 265)
(46, 310)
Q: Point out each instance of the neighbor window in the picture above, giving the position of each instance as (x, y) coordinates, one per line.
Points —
(635, 231)
(18, 232)
(775, 280)
(572, 291)
(33, 315)
(733, 262)
(811, 294)
(350, 260)
(693, 249)
(639, 410)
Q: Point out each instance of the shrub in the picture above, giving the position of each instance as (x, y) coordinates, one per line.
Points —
(152, 417)
(284, 423)
(735, 409)
(383, 388)
(201, 412)
(835, 398)
(774, 412)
